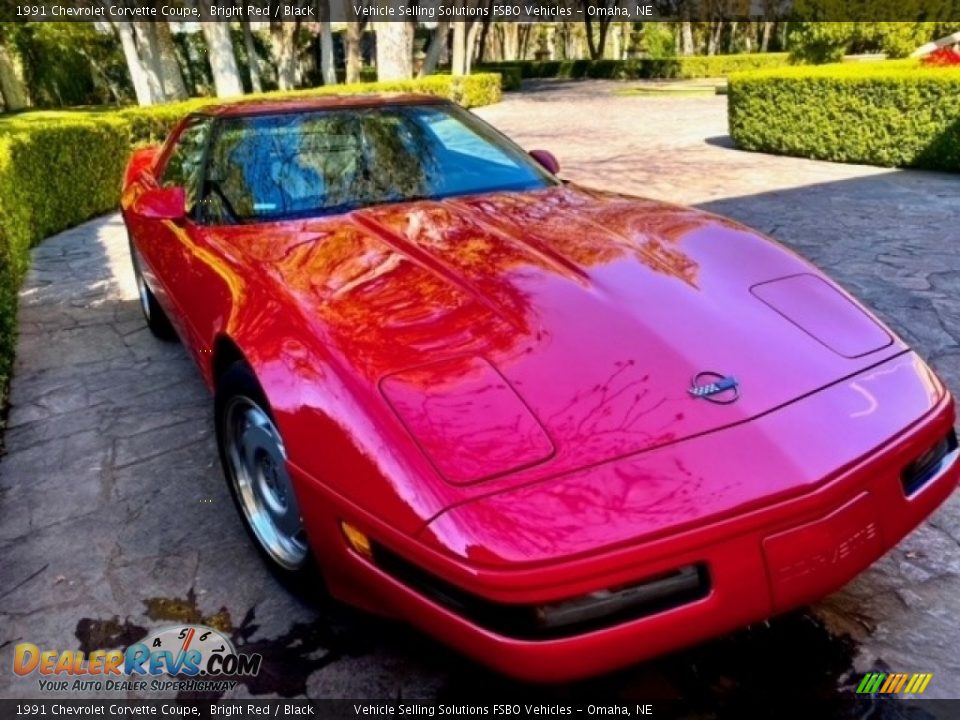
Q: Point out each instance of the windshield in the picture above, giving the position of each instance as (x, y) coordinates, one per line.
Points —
(273, 167)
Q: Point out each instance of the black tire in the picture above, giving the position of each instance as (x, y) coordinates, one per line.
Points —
(156, 318)
(238, 386)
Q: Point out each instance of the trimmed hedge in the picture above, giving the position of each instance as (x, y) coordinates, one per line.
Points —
(642, 68)
(892, 114)
(511, 76)
(60, 168)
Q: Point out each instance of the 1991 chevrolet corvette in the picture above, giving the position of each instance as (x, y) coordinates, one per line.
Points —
(560, 429)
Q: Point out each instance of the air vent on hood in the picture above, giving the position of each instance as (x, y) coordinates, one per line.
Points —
(823, 312)
(467, 419)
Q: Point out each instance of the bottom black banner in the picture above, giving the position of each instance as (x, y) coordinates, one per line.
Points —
(242, 709)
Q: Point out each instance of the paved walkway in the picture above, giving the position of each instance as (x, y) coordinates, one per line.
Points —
(114, 518)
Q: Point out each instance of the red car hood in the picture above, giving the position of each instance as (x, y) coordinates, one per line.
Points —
(526, 334)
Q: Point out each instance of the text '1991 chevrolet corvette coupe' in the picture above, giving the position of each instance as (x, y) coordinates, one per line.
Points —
(561, 429)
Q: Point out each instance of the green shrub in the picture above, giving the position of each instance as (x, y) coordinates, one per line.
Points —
(820, 42)
(642, 68)
(827, 42)
(59, 168)
(475, 90)
(724, 65)
(893, 114)
(511, 76)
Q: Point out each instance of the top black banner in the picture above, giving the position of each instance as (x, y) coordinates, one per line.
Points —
(523, 11)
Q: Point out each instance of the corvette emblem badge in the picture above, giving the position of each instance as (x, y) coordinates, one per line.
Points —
(715, 388)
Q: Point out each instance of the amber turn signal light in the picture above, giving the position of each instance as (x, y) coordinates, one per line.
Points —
(357, 540)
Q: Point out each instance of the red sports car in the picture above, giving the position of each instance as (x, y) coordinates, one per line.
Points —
(560, 429)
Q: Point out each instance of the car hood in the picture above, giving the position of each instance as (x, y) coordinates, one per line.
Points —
(522, 333)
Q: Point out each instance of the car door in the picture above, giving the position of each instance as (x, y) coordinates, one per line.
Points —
(165, 247)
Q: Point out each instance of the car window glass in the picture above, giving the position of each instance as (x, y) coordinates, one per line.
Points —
(457, 137)
(270, 167)
(185, 162)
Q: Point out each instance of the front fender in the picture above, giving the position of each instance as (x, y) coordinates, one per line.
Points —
(339, 435)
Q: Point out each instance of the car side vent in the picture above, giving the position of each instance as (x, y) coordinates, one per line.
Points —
(930, 464)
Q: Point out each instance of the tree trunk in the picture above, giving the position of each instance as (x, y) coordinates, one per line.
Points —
(713, 37)
(253, 62)
(524, 36)
(733, 37)
(394, 50)
(604, 28)
(223, 63)
(472, 34)
(765, 38)
(458, 63)
(591, 43)
(138, 74)
(11, 86)
(327, 67)
(437, 45)
(354, 51)
(283, 36)
(484, 34)
(148, 47)
(686, 38)
(511, 40)
(170, 74)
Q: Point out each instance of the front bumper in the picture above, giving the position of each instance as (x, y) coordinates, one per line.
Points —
(762, 561)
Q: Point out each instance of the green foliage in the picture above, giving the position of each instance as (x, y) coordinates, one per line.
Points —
(643, 68)
(59, 168)
(659, 40)
(472, 90)
(893, 113)
(820, 42)
(191, 51)
(511, 77)
(899, 39)
(70, 63)
(826, 42)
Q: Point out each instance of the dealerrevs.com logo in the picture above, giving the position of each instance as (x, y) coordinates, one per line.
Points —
(181, 658)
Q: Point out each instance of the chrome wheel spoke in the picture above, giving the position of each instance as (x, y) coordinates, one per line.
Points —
(290, 523)
(262, 482)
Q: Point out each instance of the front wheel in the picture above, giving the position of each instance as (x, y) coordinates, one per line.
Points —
(156, 318)
(255, 465)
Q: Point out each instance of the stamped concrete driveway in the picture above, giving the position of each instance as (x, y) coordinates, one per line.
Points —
(114, 518)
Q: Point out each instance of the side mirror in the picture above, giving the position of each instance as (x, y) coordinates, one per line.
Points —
(169, 203)
(547, 160)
